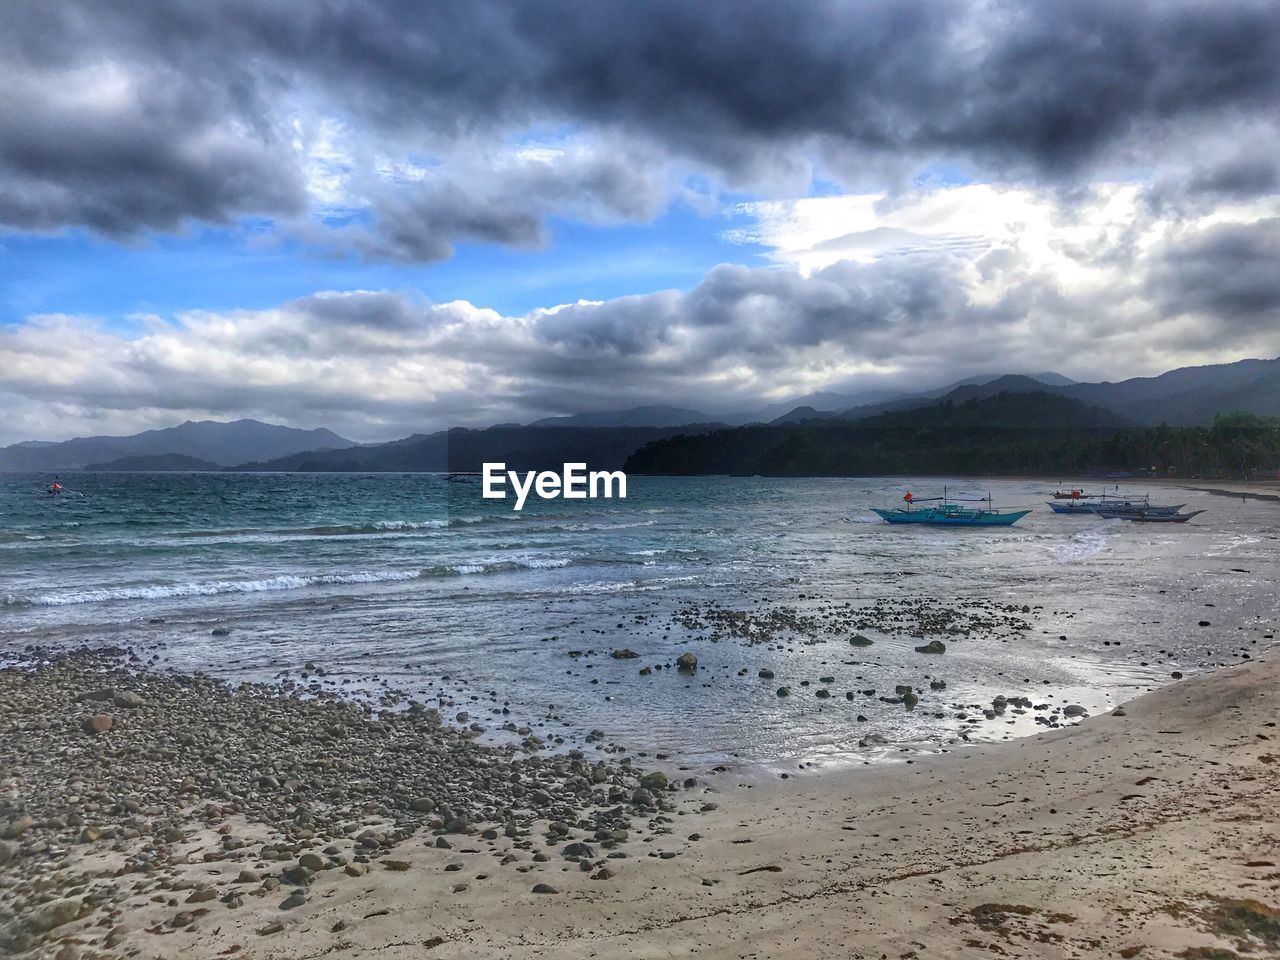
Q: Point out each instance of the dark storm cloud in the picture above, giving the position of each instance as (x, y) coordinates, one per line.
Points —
(1240, 178)
(1228, 273)
(116, 140)
(136, 115)
(762, 316)
(508, 205)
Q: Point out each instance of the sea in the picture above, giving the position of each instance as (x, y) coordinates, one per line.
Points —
(389, 588)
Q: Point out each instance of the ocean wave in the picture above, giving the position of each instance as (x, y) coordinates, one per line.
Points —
(320, 530)
(13, 536)
(587, 527)
(208, 588)
(496, 566)
(281, 534)
(377, 526)
(1236, 543)
(1082, 545)
(621, 586)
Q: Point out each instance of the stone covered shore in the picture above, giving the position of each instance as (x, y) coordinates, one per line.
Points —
(204, 821)
(116, 781)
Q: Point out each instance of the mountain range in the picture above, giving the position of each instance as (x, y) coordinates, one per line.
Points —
(1008, 434)
(824, 401)
(1183, 397)
(220, 444)
(465, 451)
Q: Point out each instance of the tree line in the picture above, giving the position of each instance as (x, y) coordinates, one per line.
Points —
(1010, 434)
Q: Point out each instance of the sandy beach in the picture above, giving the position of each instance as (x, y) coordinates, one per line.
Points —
(1250, 489)
(1149, 831)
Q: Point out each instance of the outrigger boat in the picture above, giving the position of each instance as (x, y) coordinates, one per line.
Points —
(950, 514)
(1146, 516)
(1075, 494)
(1117, 506)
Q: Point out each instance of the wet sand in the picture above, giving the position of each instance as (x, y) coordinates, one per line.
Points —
(1251, 489)
(1147, 832)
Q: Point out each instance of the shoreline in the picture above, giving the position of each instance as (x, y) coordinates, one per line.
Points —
(1265, 490)
(1123, 833)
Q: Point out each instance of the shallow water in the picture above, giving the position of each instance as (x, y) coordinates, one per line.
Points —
(415, 583)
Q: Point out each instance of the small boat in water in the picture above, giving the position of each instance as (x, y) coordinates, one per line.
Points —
(1116, 506)
(1147, 516)
(949, 514)
(1075, 494)
(1074, 507)
(1143, 508)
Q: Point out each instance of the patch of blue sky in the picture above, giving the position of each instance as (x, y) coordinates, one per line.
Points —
(942, 175)
(822, 187)
(252, 265)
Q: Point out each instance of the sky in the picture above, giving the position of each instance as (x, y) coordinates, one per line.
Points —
(387, 218)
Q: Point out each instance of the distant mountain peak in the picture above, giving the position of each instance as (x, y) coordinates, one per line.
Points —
(648, 415)
(215, 442)
(1051, 378)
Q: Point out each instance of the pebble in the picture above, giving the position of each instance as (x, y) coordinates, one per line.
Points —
(98, 723)
(55, 914)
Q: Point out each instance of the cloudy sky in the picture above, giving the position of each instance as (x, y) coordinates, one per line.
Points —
(390, 217)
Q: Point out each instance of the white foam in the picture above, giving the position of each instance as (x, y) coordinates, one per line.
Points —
(1083, 544)
(158, 591)
(497, 565)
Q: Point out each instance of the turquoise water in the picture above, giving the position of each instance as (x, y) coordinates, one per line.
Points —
(412, 582)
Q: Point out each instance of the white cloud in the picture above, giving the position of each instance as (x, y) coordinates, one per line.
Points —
(1087, 242)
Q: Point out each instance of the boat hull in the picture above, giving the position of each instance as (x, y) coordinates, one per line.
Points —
(1152, 517)
(1099, 509)
(1074, 509)
(937, 518)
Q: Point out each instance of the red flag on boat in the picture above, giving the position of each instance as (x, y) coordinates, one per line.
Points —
(907, 497)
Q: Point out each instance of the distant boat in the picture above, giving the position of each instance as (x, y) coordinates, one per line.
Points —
(949, 514)
(1147, 516)
(1145, 509)
(1075, 495)
(1116, 506)
(1074, 507)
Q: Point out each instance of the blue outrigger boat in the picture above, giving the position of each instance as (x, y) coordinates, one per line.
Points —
(949, 514)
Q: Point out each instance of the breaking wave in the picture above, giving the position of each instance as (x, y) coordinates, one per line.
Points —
(1083, 544)
(207, 588)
